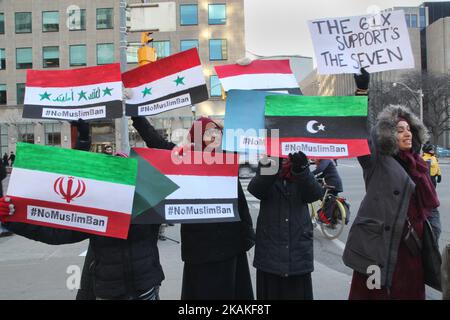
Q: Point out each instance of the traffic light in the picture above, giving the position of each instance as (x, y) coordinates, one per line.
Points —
(146, 54)
(145, 38)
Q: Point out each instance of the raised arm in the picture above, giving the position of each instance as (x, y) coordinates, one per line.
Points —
(149, 134)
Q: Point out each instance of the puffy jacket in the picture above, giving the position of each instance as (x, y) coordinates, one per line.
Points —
(431, 159)
(327, 170)
(284, 231)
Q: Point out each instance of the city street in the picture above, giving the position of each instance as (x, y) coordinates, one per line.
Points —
(31, 270)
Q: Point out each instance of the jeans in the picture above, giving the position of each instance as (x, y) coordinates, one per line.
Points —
(435, 222)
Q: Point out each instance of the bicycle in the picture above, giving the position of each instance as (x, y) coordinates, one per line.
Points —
(332, 228)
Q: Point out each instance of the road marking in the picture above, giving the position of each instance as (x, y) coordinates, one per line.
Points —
(337, 242)
(347, 165)
(83, 254)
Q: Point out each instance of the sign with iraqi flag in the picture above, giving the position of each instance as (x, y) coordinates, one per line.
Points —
(206, 192)
(85, 93)
(320, 127)
(376, 42)
(71, 189)
(170, 83)
(265, 75)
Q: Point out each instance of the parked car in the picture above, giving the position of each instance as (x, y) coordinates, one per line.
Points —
(442, 152)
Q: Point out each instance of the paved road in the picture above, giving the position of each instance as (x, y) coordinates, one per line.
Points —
(31, 270)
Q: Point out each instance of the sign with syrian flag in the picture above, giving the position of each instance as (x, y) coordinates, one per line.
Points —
(71, 189)
(170, 83)
(85, 93)
(266, 75)
(206, 192)
(320, 127)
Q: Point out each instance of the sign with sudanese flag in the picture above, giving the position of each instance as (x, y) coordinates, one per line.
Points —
(320, 127)
(86, 93)
(71, 189)
(170, 83)
(206, 192)
(266, 75)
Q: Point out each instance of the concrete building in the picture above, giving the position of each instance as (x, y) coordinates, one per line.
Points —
(44, 34)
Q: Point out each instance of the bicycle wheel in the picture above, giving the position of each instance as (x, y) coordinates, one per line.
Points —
(333, 230)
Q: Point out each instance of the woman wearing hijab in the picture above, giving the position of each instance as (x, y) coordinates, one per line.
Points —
(214, 254)
(399, 197)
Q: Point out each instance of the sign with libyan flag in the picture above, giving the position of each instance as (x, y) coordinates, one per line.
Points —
(205, 192)
(71, 189)
(320, 127)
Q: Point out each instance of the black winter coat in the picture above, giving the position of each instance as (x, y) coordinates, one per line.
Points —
(284, 231)
(120, 268)
(210, 242)
(327, 170)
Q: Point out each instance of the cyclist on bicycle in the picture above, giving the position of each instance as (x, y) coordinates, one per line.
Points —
(326, 170)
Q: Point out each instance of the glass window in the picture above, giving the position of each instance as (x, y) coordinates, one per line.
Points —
(2, 23)
(2, 93)
(105, 18)
(2, 59)
(52, 134)
(50, 57)
(216, 88)
(3, 139)
(23, 22)
(77, 20)
(408, 20)
(188, 44)
(423, 21)
(162, 48)
(132, 52)
(217, 14)
(24, 58)
(20, 92)
(188, 14)
(105, 53)
(414, 21)
(77, 55)
(218, 49)
(50, 21)
(26, 133)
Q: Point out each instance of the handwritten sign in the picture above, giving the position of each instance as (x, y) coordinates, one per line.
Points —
(376, 42)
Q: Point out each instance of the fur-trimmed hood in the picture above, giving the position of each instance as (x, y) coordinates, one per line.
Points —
(386, 129)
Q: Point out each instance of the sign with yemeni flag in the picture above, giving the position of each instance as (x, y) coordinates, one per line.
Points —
(71, 189)
(377, 42)
(266, 75)
(244, 123)
(206, 192)
(320, 127)
(86, 93)
(170, 83)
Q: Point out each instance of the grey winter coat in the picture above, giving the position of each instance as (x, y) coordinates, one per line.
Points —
(376, 233)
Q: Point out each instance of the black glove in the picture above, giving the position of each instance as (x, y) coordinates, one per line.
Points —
(299, 161)
(439, 179)
(362, 80)
(83, 129)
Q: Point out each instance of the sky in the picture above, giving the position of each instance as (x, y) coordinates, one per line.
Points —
(279, 27)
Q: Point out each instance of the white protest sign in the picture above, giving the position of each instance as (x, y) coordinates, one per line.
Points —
(377, 42)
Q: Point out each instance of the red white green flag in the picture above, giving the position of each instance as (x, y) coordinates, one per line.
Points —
(71, 189)
(206, 192)
(87, 93)
(170, 83)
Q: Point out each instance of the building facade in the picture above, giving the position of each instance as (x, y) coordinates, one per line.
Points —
(48, 35)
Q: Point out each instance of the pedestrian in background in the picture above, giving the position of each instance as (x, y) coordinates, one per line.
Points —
(5, 160)
(12, 158)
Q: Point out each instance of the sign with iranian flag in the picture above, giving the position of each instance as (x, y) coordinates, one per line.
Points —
(170, 83)
(71, 189)
(207, 190)
(320, 127)
(85, 93)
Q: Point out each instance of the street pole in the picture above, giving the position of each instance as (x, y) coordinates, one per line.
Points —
(421, 104)
(124, 142)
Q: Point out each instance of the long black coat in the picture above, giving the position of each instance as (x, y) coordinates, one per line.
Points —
(211, 242)
(284, 231)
